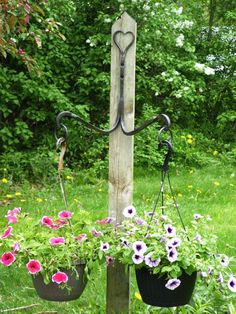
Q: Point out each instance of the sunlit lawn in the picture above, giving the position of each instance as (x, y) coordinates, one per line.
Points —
(207, 191)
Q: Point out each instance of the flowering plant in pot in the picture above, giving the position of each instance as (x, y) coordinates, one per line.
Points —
(57, 251)
(168, 258)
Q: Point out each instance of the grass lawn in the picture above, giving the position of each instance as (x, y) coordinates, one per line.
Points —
(210, 191)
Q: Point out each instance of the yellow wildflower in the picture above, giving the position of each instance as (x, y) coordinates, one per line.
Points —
(180, 194)
(18, 194)
(215, 153)
(22, 200)
(4, 180)
(216, 183)
(39, 200)
(138, 296)
(190, 186)
(69, 178)
(190, 140)
(9, 196)
(189, 136)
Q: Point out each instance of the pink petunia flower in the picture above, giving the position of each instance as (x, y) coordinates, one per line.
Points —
(14, 211)
(96, 233)
(65, 214)
(7, 233)
(16, 248)
(7, 258)
(11, 219)
(81, 237)
(61, 222)
(33, 266)
(60, 277)
(57, 241)
(47, 221)
(102, 221)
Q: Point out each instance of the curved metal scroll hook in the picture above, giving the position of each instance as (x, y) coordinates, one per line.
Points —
(123, 51)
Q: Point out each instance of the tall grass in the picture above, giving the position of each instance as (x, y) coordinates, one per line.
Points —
(209, 191)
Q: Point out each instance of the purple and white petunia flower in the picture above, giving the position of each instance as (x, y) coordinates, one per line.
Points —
(174, 242)
(129, 211)
(137, 258)
(172, 255)
(151, 262)
(220, 278)
(163, 239)
(197, 216)
(125, 243)
(232, 284)
(170, 230)
(140, 221)
(139, 247)
(224, 260)
(198, 238)
(104, 246)
(172, 284)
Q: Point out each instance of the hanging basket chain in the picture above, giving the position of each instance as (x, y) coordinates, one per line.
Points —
(62, 142)
(164, 174)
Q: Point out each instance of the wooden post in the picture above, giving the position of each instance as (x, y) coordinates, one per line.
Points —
(121, 157)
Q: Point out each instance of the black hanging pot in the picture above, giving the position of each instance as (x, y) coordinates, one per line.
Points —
(153, 291)
(53, 292)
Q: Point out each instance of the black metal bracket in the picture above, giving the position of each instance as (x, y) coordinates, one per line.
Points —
(120, 111)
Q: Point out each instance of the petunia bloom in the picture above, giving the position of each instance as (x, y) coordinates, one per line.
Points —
(65, 214)
(125, 243)
(14, 211)
(232, 284)
(137, 258)
(139, 247)
(224, 260)
(129, 211)
(220, 278)
(174, 242)
(104, 246)
(57, 241)
(33, 266)
(7, 233)
(7, 258)
(151, 262)
(198, 238)
(172, 255)
(104, 221)
(16, 248)
(47, 221)
(60, 277)
(172, 284)
(170, 230)
(140, 221)
(12, 219)
(96, 233)
(81, 237)
(109, 260)
(197, 216)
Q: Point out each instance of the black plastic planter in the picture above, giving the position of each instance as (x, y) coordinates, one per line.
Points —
(53, 291)
(153, 291)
